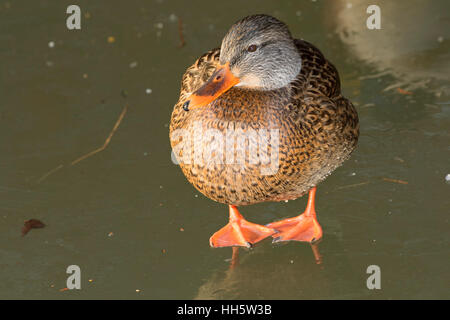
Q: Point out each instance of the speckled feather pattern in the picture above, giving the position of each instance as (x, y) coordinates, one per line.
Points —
(318, 130)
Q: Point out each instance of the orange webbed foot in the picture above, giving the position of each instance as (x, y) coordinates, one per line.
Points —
(301, 228)
(239, 232)
(304, 227)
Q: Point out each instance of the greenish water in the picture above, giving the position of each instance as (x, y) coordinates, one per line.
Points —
(119, 214)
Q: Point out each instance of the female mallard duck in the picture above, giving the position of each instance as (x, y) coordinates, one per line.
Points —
(262, 119)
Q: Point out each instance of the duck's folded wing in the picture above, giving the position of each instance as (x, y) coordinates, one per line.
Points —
(317, 73)
(197, 74)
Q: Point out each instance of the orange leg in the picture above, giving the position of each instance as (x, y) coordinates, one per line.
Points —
(301, 228)
(239, 232)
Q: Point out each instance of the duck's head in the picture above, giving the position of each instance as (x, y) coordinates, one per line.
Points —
(258, 52)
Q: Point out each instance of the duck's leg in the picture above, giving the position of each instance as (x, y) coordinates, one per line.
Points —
(304, 227)
(239, 232)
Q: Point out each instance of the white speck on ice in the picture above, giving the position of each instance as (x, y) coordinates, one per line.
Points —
(148, 91)
(447, 177)
(173, 17)
(51, 44)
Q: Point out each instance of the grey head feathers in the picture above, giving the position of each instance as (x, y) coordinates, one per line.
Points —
(261, 52)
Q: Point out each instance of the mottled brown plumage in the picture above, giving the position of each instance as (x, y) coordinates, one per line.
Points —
(318, 130)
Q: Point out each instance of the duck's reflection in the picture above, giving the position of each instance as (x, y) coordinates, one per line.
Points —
(234, 261)
(234, 258)
(279, 272)
(317, 255)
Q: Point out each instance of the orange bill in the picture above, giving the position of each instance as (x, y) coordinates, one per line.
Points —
(221, 80)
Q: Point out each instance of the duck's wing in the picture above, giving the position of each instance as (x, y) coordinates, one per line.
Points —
(194, 77)
(197, 74)
(317, 75)
(318, 104)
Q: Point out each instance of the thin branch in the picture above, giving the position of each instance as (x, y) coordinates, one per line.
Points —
(105, 144)
(395, 181)
(353, 185)
(103, 147)
(49, 173)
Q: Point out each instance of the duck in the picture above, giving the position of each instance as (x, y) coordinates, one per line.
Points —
(262, 119)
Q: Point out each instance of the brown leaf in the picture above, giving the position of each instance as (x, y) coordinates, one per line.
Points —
(401, 91)
(31, 224)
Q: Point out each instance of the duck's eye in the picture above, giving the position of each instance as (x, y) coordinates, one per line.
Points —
(252, 48)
